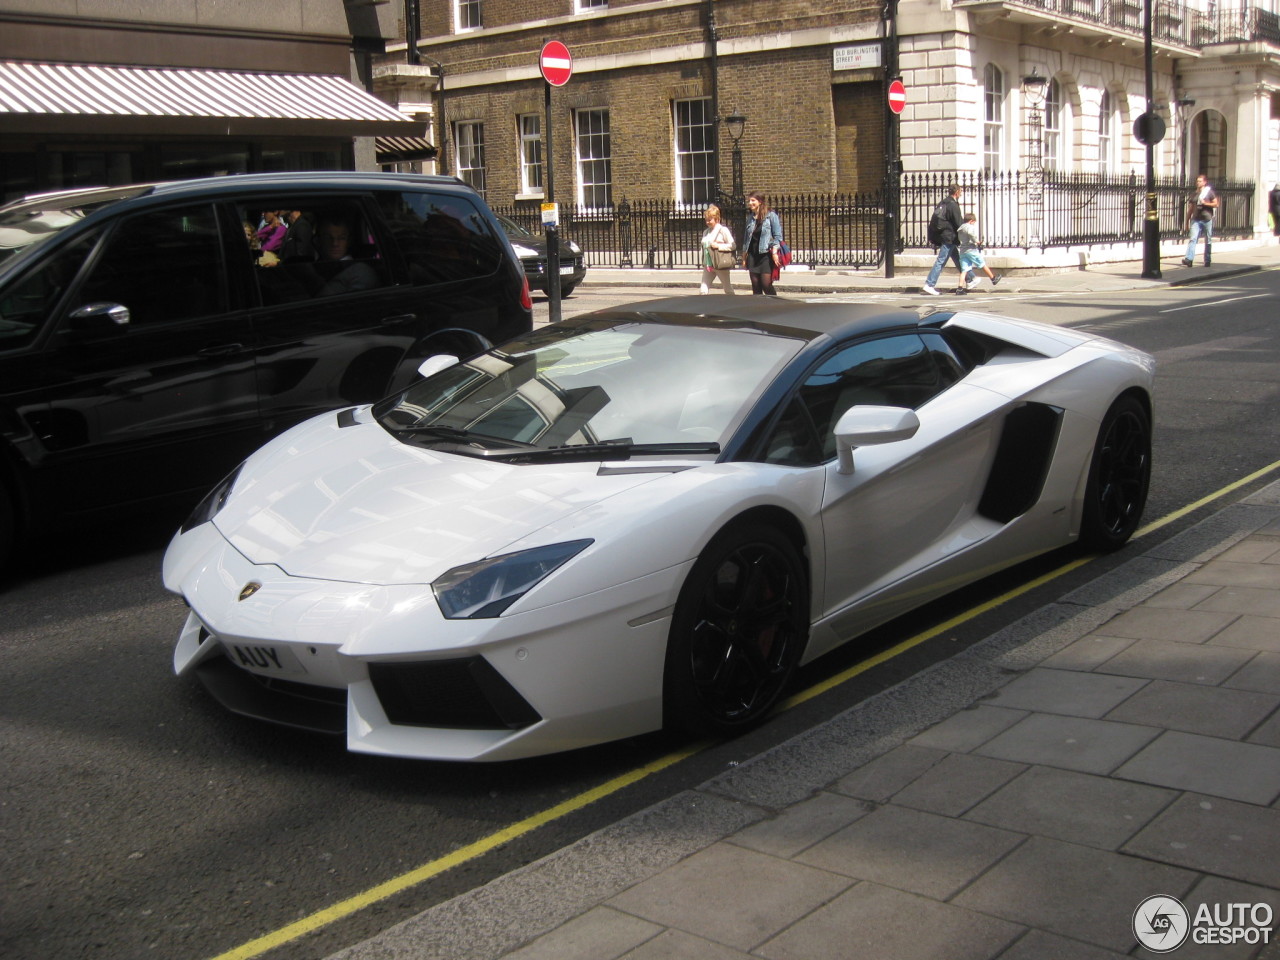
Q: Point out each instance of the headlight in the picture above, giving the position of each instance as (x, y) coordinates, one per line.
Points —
(208, 508)
(574, 248)
(486, 588)
(523, 251)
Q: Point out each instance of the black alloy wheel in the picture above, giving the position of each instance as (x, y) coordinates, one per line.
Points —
(1119, 475)
(739, 628)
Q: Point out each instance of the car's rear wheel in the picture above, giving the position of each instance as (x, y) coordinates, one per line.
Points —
(739, 627)
(1119, 475)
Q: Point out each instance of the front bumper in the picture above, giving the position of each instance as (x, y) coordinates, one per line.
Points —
(382, 665)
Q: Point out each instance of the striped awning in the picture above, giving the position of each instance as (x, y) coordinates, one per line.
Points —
(400, 149)
(71, 98)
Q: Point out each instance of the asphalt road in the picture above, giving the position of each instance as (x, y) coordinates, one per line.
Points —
(138, 819)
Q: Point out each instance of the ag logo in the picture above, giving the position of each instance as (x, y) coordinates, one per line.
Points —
(1161, 924)
(249, 589)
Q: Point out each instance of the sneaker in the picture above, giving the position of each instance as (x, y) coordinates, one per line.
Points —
(996, 280)
(973, 284)
(960, 290)
(1186, 263)
(931, 291)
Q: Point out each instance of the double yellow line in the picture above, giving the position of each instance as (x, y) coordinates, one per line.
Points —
(345, 908)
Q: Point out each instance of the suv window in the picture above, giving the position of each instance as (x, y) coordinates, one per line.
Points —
(164, 265)
(28, 302)
(442, 237)
(304, 249)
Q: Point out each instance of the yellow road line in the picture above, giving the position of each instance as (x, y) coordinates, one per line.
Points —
(345, 908)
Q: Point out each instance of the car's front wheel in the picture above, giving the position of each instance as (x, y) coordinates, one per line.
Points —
(739, 628)
(1119, 475)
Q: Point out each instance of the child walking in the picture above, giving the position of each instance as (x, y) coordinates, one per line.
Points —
(971, 258)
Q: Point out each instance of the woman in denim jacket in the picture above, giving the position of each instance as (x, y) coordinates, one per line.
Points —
(760, 244)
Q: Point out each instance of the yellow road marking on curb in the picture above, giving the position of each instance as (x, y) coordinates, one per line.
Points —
(345, 908)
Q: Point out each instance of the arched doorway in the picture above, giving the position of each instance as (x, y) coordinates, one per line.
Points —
(1206, 146)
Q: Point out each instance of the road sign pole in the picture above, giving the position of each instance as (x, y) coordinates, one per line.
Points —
(552, 231)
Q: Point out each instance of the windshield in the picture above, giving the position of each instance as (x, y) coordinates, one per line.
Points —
(34, 220)
(612, 390)
(511, 228)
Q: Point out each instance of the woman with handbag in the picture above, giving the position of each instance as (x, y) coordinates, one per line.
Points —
(760, 244)
(718, 257)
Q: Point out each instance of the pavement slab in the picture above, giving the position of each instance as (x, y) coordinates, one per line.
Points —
(731, 895)
(1193, 708)
(1066, 692)
(1220, 768)
(1160, 623)
(1074, 891)
(1240, 841)
(801, 825)
(912, 850)
(1252, 633)
(1074, 743)
(1075, 807)
(1262, 674)
(599, 934)
(968, 729)
(873, 922)
(1038, 945)
(1174, 660)
(956, 784)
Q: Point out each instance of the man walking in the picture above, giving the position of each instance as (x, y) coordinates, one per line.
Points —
(944, 226)
(1200, 221)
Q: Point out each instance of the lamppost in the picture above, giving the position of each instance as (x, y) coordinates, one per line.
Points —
(734, 123)
(1033, 89)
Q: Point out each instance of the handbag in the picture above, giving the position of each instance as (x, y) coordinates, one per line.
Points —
(723, 259)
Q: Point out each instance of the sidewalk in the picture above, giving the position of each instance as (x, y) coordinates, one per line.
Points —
(1229, 260)
(1019, 800)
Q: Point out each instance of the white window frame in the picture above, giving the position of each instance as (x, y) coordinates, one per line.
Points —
(1053, 114)
(692, 144)
(1106, 119)
(468, 153)
(586, 6)
(529, 134)
(993, 126)
(464, 12)
(593, 154)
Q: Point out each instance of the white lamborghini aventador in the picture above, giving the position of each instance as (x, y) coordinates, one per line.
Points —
(643, 516)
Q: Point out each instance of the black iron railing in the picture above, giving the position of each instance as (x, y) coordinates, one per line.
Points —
(1171, 22)
(1015, 212)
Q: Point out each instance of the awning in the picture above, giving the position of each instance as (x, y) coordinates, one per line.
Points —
(79, 98)
(400, 149)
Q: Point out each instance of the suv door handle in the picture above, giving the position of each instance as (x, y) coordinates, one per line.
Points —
(221, 350)
(398, 319)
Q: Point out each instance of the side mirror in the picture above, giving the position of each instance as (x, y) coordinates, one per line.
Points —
(433, 365)
(100, 316)
(865, 426)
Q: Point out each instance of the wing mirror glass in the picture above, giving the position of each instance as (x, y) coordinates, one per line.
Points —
(864, 426)
(434, 364)
(100, 316)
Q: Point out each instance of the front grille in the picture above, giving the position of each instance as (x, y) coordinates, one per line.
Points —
(465, 694)
(301, 705)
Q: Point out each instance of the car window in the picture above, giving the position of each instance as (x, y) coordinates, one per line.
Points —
(30, 300)
(306, 248)
(442, 237)
(897, 371)
(164, 265)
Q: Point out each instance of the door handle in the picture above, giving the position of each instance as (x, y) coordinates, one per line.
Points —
(221, 350)
(398, 319)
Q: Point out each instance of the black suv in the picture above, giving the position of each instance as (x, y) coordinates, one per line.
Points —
(151, 336)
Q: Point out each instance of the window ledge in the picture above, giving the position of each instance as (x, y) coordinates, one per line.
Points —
(536, 195)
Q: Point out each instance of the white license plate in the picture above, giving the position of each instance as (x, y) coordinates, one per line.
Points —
(566, 270)
(261, 658)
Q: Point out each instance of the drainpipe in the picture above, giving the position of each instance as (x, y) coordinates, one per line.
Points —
(414, 57)
(712, 44)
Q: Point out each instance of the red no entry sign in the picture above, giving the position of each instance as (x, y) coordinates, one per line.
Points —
(555, 63)
(897, 96)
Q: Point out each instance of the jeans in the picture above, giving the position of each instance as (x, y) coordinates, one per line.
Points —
(946, 251)
(1199, 227)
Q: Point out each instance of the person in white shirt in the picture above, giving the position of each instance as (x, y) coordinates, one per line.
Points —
(1200, 220)
(717, 238)
(971, 258)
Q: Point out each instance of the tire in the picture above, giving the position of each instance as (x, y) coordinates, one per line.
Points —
(740, 625)
(567, 289)
(1119, 475)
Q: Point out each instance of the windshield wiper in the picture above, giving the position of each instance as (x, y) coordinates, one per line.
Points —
(623, 449)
